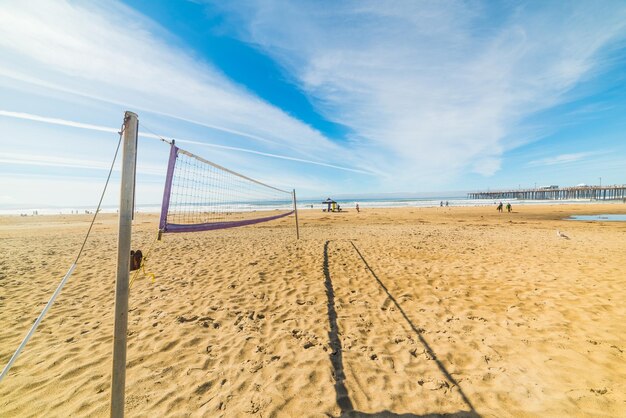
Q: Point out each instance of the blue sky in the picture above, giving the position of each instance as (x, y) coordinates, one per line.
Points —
(325, 97)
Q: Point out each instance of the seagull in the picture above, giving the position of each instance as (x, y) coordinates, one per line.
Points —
(560, 234)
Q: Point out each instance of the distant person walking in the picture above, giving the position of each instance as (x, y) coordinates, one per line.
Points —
(447, 204)
(508, 207)
(357, 208)
(441, 203)
(499, 207)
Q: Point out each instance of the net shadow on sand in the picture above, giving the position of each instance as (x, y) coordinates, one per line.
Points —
(336, 355)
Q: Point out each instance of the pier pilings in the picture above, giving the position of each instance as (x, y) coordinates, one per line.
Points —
(615, 192)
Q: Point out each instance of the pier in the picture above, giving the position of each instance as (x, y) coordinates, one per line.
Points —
(615, 192)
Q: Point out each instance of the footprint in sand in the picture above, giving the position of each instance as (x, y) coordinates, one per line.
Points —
(203, 388)
(169, 346)
(181, 319)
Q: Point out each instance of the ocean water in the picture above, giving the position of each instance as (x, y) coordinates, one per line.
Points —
(305, 204)
(598, 218)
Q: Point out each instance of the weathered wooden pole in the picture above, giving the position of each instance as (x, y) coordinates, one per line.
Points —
(127, 196)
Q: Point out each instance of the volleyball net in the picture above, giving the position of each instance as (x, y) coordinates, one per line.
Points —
(200, 195)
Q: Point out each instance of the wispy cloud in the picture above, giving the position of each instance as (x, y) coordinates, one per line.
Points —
(75, 163)
(110, 53)
(55, 121)
(50, 161)
(433, 88)
(280, 157)
(430, 91)
(563, 159)
(42, 191)
(37, 160)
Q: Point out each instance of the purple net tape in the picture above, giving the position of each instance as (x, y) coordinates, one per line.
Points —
(220, 225)
(165, 206)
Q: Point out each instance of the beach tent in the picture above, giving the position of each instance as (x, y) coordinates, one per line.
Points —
(329, 202)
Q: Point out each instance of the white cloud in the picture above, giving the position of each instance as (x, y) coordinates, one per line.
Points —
(43, 191)
(562, 159)
(433, 88)
(430, 90)
(55, 121)
(81, 163)
(110, 53)
(9, 158)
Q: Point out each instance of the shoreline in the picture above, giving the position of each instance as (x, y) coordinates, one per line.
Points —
(346, 204)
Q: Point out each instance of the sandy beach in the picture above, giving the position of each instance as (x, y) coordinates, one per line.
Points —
(388, 312)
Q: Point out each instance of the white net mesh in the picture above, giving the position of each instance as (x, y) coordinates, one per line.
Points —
(201, 195)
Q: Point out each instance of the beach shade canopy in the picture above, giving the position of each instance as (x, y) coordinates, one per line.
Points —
(330, 202)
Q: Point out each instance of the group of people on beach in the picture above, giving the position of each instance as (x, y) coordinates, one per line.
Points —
(509, 208)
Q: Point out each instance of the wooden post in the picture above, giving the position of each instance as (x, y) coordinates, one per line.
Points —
(127, 197)
(295, 209)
